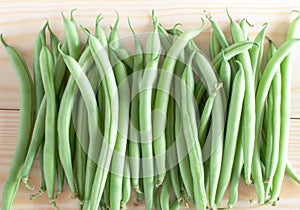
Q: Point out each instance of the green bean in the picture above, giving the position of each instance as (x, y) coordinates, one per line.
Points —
(25, 126)
(291, 172)
(34, 146)
(145, 119)
(249, 105)
(183, 158)
(39, 94)
(274, 123)
(39, 128)
(172, 156)
(165, 40)
(214, 46)
(204, 69)
(191, 136)
(165, 193)
(219, 34)
(162, 99)
(100, 33)
(223, 42)
(134, 145)
(38, 85)
(284, 112)
(204, 119)
(231, 136)
(91, 163)
(71, 31)
(90, 102)
(106, 192)
(199, 92)
(126, 186)
(231, 51)
(175, 205)
(107, 77)
(54, 41)
(218, 120)
(60, 176)
(64, 120)
(81, 148)
(261, 94)
(180, 143)
(244, 27)
(256, 54)
(117, 165)
(49, 166)
(225, 76)
(269, 134)
(82, 132)
(236, 170)
(156, 201)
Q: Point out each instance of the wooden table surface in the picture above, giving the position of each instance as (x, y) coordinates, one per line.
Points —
(20, 21)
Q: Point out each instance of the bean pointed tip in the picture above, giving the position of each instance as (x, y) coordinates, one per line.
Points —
(2, 40)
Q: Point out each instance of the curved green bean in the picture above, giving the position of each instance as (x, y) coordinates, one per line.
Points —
(249, 105)
(162, 99)
(134, 135)
(118, 159)
(49, 166)
(106, 74)
(284, 112)
(191, 135)
(25, 126)
(231, 136)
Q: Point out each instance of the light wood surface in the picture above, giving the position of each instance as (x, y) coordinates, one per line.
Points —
(20, 21)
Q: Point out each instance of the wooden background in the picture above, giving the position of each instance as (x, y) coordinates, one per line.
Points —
(20, 21)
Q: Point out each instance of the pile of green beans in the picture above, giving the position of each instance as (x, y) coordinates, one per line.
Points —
(164, 123)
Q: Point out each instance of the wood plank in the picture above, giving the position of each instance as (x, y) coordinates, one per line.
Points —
(17, 17)
(289, 198)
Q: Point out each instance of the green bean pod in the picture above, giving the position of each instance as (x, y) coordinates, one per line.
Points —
(191, 135)
(81, 148)
(107, 77)
(134, 135)
(275, 88)
(164, 196)
(204, 69)
(25, 125)
(90, 101)
(126, 185)
(204, 119)
(256, 54)
(214, 46)
(249, 105)
(49, 166)
(35, 145)
(64, 120)
(236, 170)
(231, 51)
(225, 76)
(261, 94)
(272, 145)
(291, 172)
(145, 118)
(118, 159)
(231, 136)
(286, 69)
(172, 153)
(162, 99)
